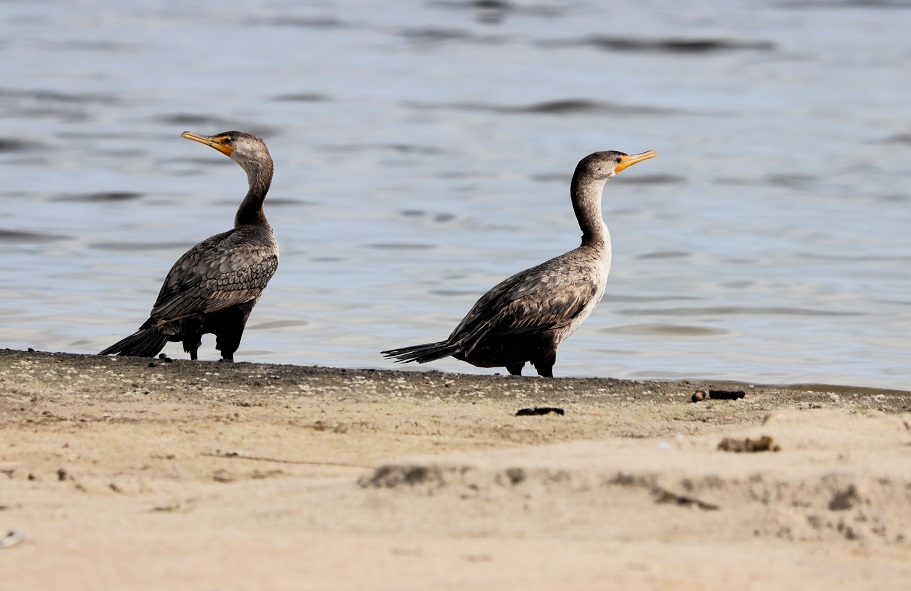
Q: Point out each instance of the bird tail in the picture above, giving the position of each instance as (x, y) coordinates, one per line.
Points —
(145, 342)
(421, 353)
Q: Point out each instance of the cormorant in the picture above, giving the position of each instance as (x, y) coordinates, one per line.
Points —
(526, 317)
(213, 287)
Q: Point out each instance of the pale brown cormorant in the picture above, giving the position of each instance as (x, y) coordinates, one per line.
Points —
(213, 287)
(526, 317)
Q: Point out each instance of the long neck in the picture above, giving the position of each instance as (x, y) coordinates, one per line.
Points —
(585, 191)
(259, 175)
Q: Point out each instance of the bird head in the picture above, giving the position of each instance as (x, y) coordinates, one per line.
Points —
(239, 146)
(604, 165)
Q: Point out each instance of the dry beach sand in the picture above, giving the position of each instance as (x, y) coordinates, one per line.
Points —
(121, 474)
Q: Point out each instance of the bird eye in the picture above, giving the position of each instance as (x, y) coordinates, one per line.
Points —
(619, 159)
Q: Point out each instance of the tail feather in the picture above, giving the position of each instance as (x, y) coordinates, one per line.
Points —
(142, 343)
(421, 353)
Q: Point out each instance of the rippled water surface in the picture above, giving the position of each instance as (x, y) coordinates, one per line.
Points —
(423, 152)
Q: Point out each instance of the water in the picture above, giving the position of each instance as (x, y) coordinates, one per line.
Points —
(423, 153)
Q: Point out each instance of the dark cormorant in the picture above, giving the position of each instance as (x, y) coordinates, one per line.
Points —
(213, 287)
(526, 317)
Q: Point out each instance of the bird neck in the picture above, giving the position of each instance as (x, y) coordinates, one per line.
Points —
(586, 192)
(259, 175)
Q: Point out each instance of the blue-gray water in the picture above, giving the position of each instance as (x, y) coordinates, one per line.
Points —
(423, 152)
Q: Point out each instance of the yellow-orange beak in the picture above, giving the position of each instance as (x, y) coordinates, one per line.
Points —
(219, 142)
(631, 159)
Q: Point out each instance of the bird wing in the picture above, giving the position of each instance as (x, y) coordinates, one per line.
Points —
(540, 298)
(222, 271)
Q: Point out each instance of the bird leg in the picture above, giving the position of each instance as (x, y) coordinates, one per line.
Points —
(545, 364)
(228, 343)
(230, 330)
(191, 344)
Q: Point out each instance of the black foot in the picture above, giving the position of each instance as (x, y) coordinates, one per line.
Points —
(515, 369)
(545, 367)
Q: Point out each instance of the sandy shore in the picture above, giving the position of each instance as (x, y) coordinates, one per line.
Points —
(121, 474)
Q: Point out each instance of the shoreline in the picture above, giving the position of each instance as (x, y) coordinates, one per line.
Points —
(291, 369)
(231, 476)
